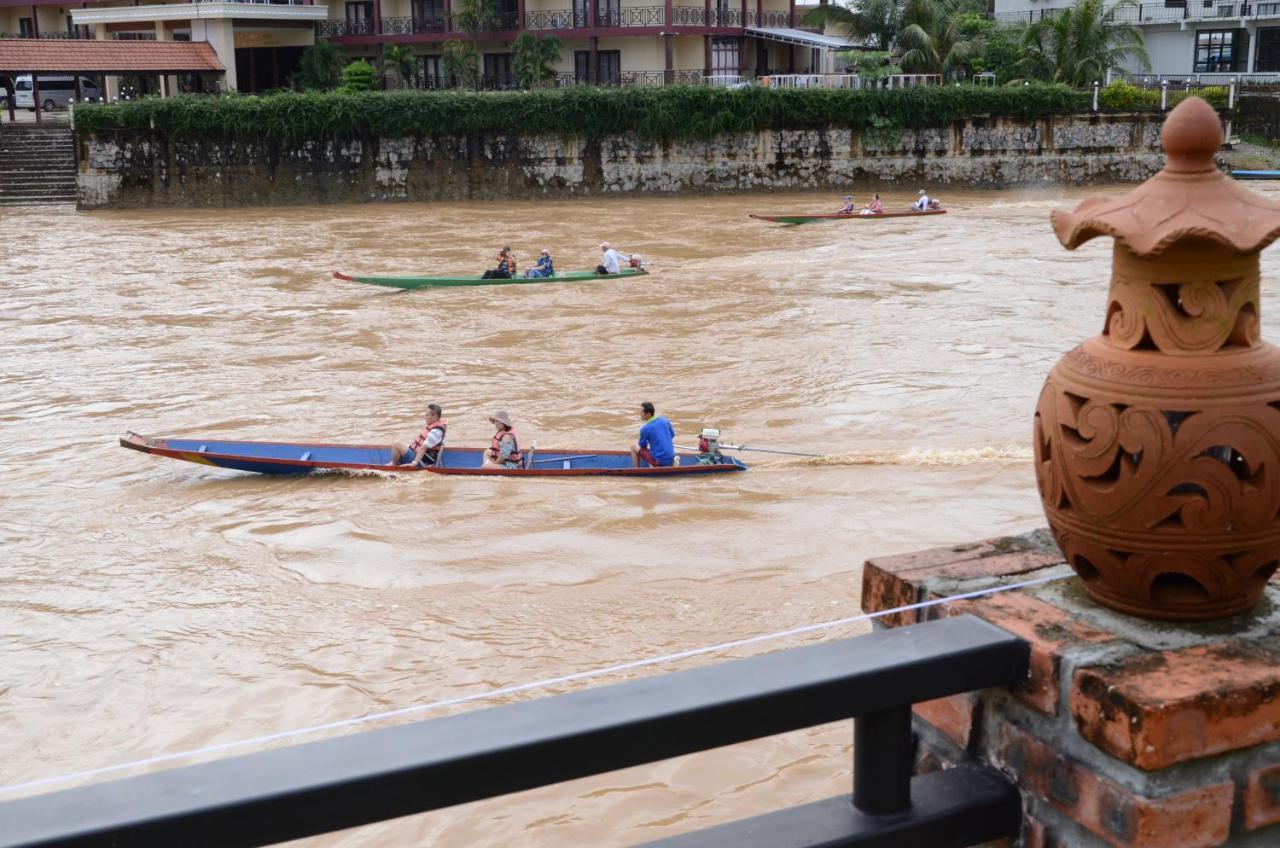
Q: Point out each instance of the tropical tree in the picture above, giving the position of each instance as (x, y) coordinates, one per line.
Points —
(400, 61)
(874, 23)
(1078, 45)
(461, 59)
(932, 39)
(358, 76)
(320, 67)
(533, 59)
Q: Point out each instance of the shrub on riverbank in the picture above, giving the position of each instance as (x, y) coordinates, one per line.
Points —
(674, 112)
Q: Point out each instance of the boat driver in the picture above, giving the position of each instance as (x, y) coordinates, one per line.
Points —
(656, 445)
(425, 449)
(922, 203)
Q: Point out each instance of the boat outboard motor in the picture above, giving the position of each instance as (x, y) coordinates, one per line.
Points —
(709, 447)
(636, 261)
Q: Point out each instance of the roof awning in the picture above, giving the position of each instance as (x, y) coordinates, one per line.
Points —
(801, 37)
(86, 56)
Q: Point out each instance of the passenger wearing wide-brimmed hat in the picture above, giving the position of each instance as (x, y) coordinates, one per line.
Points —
(505, 448)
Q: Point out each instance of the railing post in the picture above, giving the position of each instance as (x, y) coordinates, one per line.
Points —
(882, 761)
(1164, 94)
(1231, 95)
(1095, 97)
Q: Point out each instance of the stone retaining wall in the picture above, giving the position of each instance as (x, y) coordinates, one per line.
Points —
(122, 169)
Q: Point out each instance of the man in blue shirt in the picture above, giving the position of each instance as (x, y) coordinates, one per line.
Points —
(657, 440)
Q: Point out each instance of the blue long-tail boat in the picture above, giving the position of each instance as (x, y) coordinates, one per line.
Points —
(299, 458)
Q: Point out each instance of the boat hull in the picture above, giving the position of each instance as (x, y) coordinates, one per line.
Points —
(1256, 175)
(461, 282)
(805, 219)
(302, 458)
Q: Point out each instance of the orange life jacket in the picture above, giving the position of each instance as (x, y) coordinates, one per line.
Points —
(431, 454)
(496, 445)
(507, 262)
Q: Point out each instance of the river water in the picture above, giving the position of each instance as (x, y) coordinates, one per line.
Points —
(151, 606)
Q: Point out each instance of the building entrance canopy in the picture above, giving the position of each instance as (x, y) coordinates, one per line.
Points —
(800, 38)
(71, 56)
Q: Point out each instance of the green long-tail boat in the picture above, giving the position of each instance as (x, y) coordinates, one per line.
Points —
(432, 282)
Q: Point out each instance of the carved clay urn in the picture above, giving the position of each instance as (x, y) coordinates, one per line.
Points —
(1157, 443)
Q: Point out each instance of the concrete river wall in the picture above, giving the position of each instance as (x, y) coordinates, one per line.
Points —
(129, 169)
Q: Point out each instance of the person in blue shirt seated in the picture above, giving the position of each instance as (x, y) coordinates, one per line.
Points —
(847, 209)
(543, 267)
(657, 440)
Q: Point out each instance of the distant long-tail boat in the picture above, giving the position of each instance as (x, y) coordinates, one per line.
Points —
(299, 458)
(805, 218)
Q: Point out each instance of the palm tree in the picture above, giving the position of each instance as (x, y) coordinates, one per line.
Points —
(461, 59)
(320, 67)
(1080, 44)
(932, 40)
(533, 59)
(873, 22)
(400, 61)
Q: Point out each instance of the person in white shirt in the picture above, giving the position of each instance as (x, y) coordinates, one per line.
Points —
(922, 203)
(424, 450)
(611, 261)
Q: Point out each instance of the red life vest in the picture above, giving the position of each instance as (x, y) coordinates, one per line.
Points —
(496, 445)
(431, 454)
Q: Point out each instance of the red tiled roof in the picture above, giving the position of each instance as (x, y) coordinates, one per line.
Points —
(50, 55)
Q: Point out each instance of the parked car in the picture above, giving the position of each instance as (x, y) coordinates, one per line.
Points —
(55, 91)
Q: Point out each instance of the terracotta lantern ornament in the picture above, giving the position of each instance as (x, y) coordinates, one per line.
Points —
(1157, 443)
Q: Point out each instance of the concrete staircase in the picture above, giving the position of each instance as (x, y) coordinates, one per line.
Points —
(37, 165)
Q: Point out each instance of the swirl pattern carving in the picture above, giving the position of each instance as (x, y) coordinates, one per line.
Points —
(1167, 508)
(1157, 443)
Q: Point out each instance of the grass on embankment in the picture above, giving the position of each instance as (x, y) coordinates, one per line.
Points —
(667, 113)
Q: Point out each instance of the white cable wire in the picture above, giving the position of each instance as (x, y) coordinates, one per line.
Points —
(512, 690)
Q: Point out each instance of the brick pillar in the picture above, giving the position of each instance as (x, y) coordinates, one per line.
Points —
(35, 20)
(1126, 733)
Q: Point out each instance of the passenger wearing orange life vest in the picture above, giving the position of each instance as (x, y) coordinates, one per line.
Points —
(504, 450)
(425, 449)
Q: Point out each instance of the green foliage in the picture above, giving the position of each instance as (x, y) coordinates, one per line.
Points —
(399, 61)
(1124, 96)
(1079, 44)
(475, 16)
(358, 76)
(320, 67)
(533, 59)
(671, 112)
(873, 22)
(871, 65)
(999, 49)
(932, 40)
(460, 61)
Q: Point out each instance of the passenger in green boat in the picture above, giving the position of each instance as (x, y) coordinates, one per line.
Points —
(847, 209)
(506, 267)
(504, 450)
(544, 267)
(425, 449)
(611, 261)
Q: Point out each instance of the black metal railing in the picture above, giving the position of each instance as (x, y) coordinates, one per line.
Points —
(329, 785)
(1157, 12)
(768, 18)
(337, 29)
(78, 34)
(549, 19)
(410, 25)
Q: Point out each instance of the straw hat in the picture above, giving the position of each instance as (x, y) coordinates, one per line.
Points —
(501, 417)
(604, 245)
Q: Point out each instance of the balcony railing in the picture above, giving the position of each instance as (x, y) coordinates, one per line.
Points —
(1155, 13)
(654, 16)
(333, 784)
(412, 25)
(337, 29)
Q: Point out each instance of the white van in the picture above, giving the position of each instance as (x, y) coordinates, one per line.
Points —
(55, 92)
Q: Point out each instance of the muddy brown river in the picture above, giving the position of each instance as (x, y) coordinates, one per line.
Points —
(150, 606)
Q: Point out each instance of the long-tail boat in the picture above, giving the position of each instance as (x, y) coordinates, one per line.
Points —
(299, 458)
(805, 218)
(432, 282)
